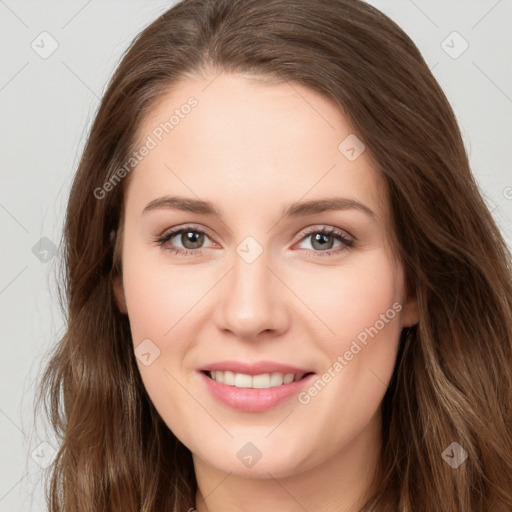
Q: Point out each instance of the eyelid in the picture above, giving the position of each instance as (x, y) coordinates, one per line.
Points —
(327, 228)
(191, 227)
(306, 231)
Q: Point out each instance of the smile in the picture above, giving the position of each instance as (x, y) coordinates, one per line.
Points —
(258, 392)
(261, 381)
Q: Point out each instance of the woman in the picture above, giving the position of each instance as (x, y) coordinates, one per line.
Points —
(284, 288)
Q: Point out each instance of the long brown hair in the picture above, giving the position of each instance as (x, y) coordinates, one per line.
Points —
(453, 376)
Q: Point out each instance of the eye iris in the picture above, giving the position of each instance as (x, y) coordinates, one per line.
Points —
(322, 236)
(192, 236)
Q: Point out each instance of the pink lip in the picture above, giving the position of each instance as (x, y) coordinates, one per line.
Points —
(254, 400)
(256, 368)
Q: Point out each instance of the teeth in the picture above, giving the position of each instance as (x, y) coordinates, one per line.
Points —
(265, 380)
(262, 381)
(241, 380)
(229, 378)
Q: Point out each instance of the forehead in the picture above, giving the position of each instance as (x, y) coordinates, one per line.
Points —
(253, 143)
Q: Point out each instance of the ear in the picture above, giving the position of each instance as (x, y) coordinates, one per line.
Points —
(410, 311)
(117, 286)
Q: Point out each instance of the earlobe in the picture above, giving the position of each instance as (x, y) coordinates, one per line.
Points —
(410, 313)
(117, 286)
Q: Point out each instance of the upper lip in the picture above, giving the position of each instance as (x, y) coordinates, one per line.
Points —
(254, 368)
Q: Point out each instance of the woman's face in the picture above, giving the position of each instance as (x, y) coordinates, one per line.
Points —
(254, 293)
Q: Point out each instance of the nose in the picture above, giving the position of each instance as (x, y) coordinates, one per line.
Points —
(253, 301)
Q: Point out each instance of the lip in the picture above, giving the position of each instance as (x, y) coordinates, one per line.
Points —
(254, 399)
(256, 368)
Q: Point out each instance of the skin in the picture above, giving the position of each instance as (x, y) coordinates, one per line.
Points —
(251, 148)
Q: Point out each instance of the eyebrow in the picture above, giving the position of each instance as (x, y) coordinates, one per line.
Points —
(298, 209)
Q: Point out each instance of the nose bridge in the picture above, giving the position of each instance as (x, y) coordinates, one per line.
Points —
(251, 301)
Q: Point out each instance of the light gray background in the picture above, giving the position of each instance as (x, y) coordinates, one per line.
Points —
(47, 105)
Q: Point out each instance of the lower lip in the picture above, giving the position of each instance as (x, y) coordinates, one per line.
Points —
(251, 399)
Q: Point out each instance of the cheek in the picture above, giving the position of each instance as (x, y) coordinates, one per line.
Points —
(159, 301)
(355, 295)
(363, 307)
(163, 302)
(158, 296)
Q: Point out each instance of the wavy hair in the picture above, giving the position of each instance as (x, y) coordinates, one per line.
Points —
(453, 376)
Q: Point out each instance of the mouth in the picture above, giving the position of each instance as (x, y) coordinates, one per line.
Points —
(254, 393)
(260, 381)
(255, 386)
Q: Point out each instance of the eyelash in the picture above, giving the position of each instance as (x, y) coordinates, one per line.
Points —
(348, 243)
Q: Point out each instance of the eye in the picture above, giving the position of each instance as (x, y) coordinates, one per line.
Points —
(192, 240)
(322, 241)
(190, 237)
